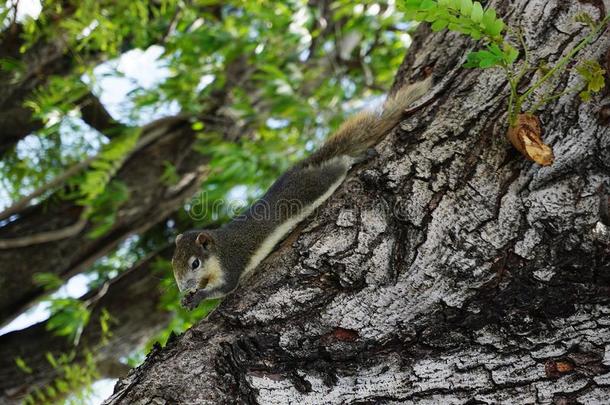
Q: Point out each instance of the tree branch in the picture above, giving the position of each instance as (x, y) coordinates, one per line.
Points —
(156, 130)
(18, 206)
(132, 300)
(45, 237)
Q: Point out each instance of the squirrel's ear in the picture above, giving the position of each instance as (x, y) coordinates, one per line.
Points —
(204, 239)
(178, 237)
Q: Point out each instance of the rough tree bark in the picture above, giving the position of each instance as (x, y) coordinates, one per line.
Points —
(150, 202)
(447, 270)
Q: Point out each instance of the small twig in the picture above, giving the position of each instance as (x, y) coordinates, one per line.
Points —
(98, 295)
(551, 98)
(512, 96)
(526, 57)
(171, 27)
(563, 61)
(521, 37)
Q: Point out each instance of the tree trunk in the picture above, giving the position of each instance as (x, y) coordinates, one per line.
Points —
(447, 270)
(132, 300)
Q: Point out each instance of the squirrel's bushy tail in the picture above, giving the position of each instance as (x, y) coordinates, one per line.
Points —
(364, 130)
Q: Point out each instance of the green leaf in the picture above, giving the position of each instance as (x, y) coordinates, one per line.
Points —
(483, 59)
(105, 321)
(51, 359)
(69, 317)
(51, 392)
(489, 16)
(48, 281)
(431, 16)
(439, 25)
(62, 386)
(22, 365)
(487, 63)
(495, 50)
(496, 28)
(584, 18)
(477, 12)
(453, 4)
(11, 64)
(594, 77)
(510, 54)
(428, 5)
(466, 7)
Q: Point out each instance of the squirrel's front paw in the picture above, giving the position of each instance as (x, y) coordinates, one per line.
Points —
(371, 153)
(193, 298)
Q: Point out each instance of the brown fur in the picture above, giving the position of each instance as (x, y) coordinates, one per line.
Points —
(364, 130)
(188, 245)
(241, 244)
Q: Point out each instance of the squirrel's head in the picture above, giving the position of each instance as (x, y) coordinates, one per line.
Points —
(195, 262)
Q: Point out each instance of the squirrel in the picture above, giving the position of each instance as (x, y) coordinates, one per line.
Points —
(210, 263)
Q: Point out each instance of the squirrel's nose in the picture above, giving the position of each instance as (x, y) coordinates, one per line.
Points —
(189, 285)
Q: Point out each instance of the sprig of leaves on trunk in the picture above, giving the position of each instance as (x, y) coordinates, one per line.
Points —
(469, 17)
(463, 16)
(593, 75)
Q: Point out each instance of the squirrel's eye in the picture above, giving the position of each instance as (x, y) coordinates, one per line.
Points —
(195, 264)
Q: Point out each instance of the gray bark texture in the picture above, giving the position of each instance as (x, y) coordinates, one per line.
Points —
(447, 270)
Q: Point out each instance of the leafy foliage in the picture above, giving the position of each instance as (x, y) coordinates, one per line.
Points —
(57, 98)
(70, 316)
(468, 17)
(22, 365)
(90, 185)
(73, 384)
(95, 189)
(48, 281)
(463, 16)
(593, 75)
(75, 380)
(492, 57)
